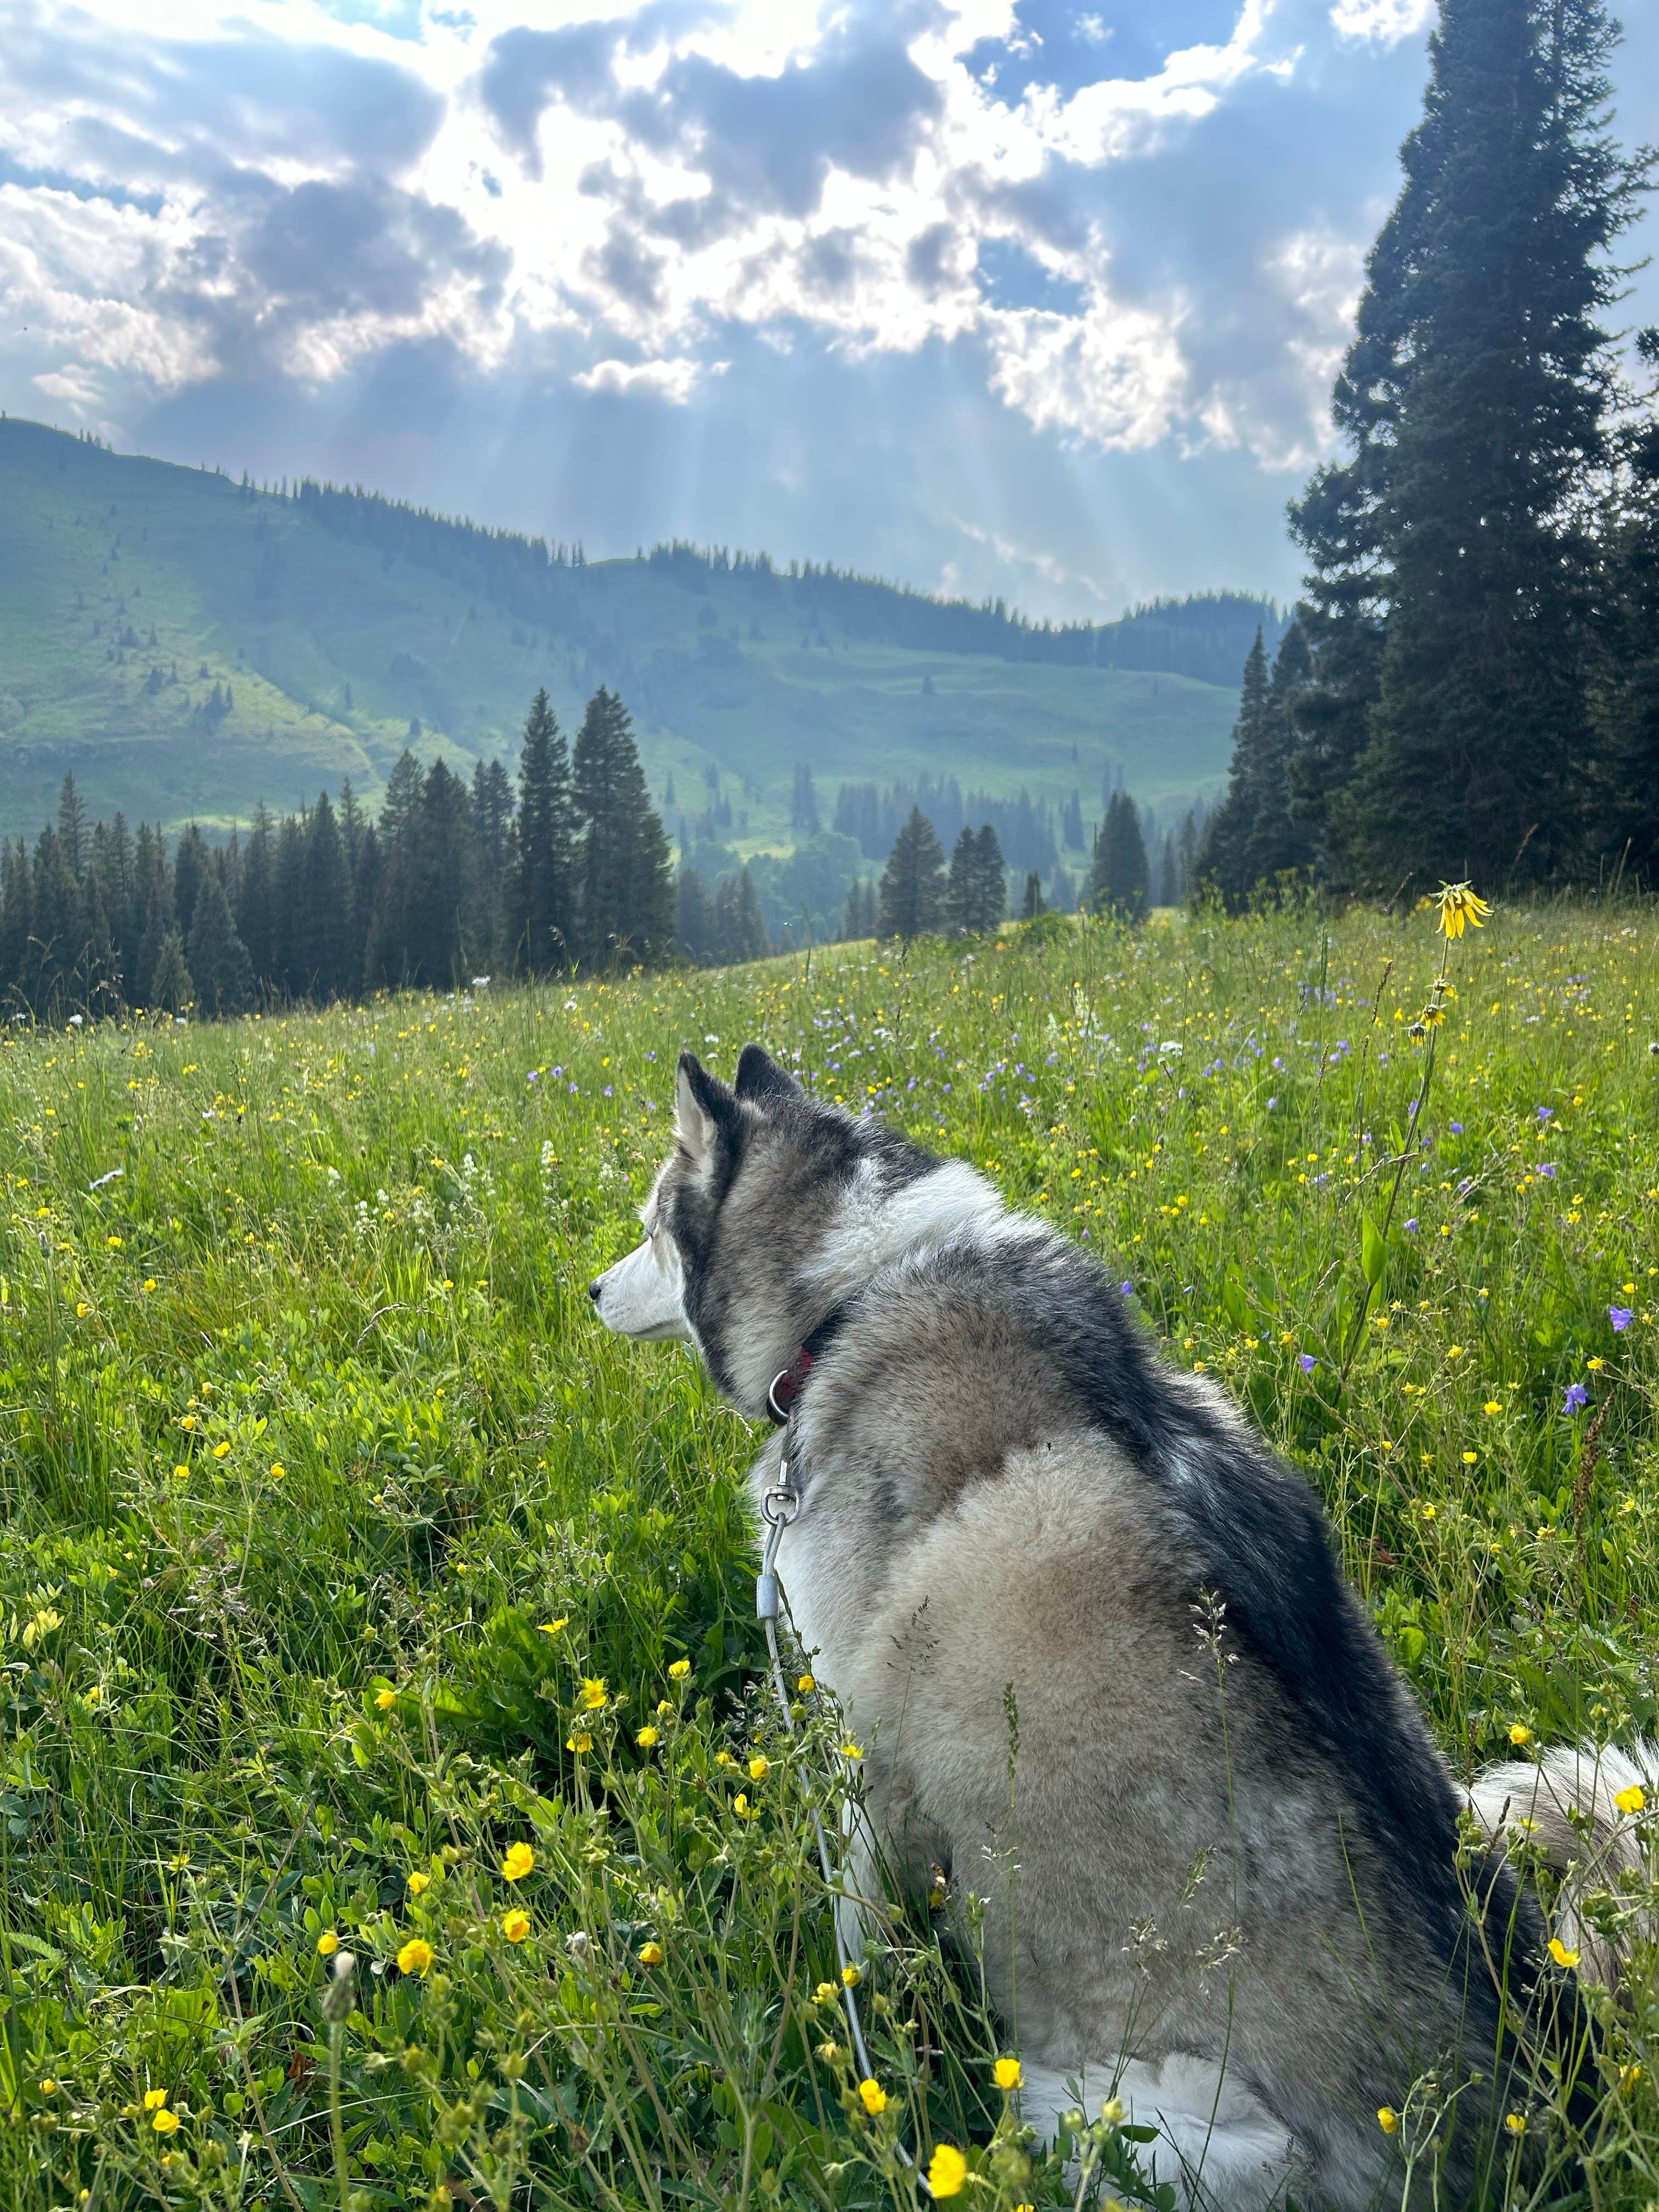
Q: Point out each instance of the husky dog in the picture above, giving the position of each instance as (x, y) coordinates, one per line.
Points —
(1225, 1881)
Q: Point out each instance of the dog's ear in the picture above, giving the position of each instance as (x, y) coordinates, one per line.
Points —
(702, 1107)
(759, 1077)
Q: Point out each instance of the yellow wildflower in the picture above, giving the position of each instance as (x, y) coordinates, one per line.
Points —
(221, 1449)
(1520, 1734)
(875, 2098)
(646, 1737)
(165, 2123)
(1515, 2123)
(1457, 905)
(277, 1470)
(759, 1767)
(515, 1925)
(154, 2099)
(416, 1957)
(1631, 1800)
(1387, 2119)
(946, 2170)
(181, 1473)
(679, 1670)
(518, 1863)
(852, 1976)
(327, 1944)
(386, 1699)
(851, 1751)
(1560, 1953)
(651, 1954)
(826, 1993)
(419, 1884)
(806, 1683)
(552, 1627)
(1007, 2073)
(581, 1742)
(595, 1691)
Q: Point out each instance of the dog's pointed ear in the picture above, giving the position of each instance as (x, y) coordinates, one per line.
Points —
(702, 1107)
(759, 1077)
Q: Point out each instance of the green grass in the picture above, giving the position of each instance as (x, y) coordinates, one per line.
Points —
(330, 651)
(324, 1494)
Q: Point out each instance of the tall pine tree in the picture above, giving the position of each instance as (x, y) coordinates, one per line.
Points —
(625, 896)
(1448, 731)
(539, 930)
(911, 894)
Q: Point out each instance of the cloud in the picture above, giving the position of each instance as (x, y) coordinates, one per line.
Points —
(1386, 21)
(673, 381)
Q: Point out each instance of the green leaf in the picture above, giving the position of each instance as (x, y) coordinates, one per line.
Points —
(1374, 1251)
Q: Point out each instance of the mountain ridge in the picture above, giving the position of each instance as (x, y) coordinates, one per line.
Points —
(187, 644)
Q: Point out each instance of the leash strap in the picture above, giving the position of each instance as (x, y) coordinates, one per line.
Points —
(779, 1504)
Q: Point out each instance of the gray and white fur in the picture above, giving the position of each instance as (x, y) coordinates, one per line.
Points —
(1233, 1897)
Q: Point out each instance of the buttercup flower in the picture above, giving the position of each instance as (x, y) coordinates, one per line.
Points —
(1387, 2119)
(518, 1863)
(154, 2099)
(1520, 1734)
(221, 1449)
(646, 1737)
(826, 1993)
(807, 1682)
(1560, 1953)
(875, 2098)
(416, 1957)
(327, 1944)
(1631, 1800)
(759, 1767)
(1007, 2073)
(386, 1699)
(946, 2170)
(595, 1691)
(1515, 2123)
(651, 1954)
(419, 1884)
(164, 2121)
(552, 1627)
(852, 1976)
(515, 1925)
(679, 1670)
(581, 1742)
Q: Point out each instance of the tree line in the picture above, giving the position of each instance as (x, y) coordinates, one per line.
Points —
(1470, 686)
(567, 867)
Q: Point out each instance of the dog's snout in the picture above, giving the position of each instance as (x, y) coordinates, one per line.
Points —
(594, 1289)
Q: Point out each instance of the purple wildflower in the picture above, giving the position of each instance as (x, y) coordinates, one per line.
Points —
(1578, 1396)
(1309, 1363)
(1128, 1289)
(1620, 1318)
(1410, 1227)
(1546, 1113)
(1547, 1168)
(1457, 1128)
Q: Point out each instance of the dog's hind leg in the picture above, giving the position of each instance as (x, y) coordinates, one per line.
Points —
(1217, 2142)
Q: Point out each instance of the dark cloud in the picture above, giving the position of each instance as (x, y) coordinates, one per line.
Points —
(527, 70)
(324, 249)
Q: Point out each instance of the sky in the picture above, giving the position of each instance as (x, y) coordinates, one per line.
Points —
(1013, 297)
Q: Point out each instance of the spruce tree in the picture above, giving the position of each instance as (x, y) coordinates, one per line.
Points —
(695, 919)
(171, 990)
(1627, 795)
(319, 934)
(804, 805)
(255, 921)
(1451, 567)
(443, 913)
(220, 972)
(740, 925)
(539, 926)
(1225, 861)
(912, 896)
(990, 880)
(1031, 905)
(189, 862)
(1118, 885)
(72, 828)
(625, 885)
(962, 885)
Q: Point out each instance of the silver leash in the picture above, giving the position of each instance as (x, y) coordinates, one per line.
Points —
(779, 1504)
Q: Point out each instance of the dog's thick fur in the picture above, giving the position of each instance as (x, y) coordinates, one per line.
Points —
(1225, 1882)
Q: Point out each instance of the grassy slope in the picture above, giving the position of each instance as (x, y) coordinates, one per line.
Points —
(324, 1493)
(291, 616)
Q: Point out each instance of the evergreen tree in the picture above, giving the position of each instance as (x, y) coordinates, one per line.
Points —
(626, 900)
(803, 805)
(289, 949)
(1171, 887)
(1031, 905)
(172, 989)
(740, 928)
(1118, 883)
(539, 923)
(443, 910)
(72, 829)
(221, 973)
(962, 885)
(912, 898)
(58, 934)
(1225, 861)
(255, 920)
(696, 920)
(16, 922)
(190, 861)
(318, 934)
(991, 880)
(1446, 732)
(1627, 796)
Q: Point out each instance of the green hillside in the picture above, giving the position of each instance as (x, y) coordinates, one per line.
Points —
(187, 645)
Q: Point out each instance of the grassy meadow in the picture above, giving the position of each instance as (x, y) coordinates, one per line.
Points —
(362, 1602)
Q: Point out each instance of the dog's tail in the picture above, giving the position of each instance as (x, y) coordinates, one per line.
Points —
(1579, 1807)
